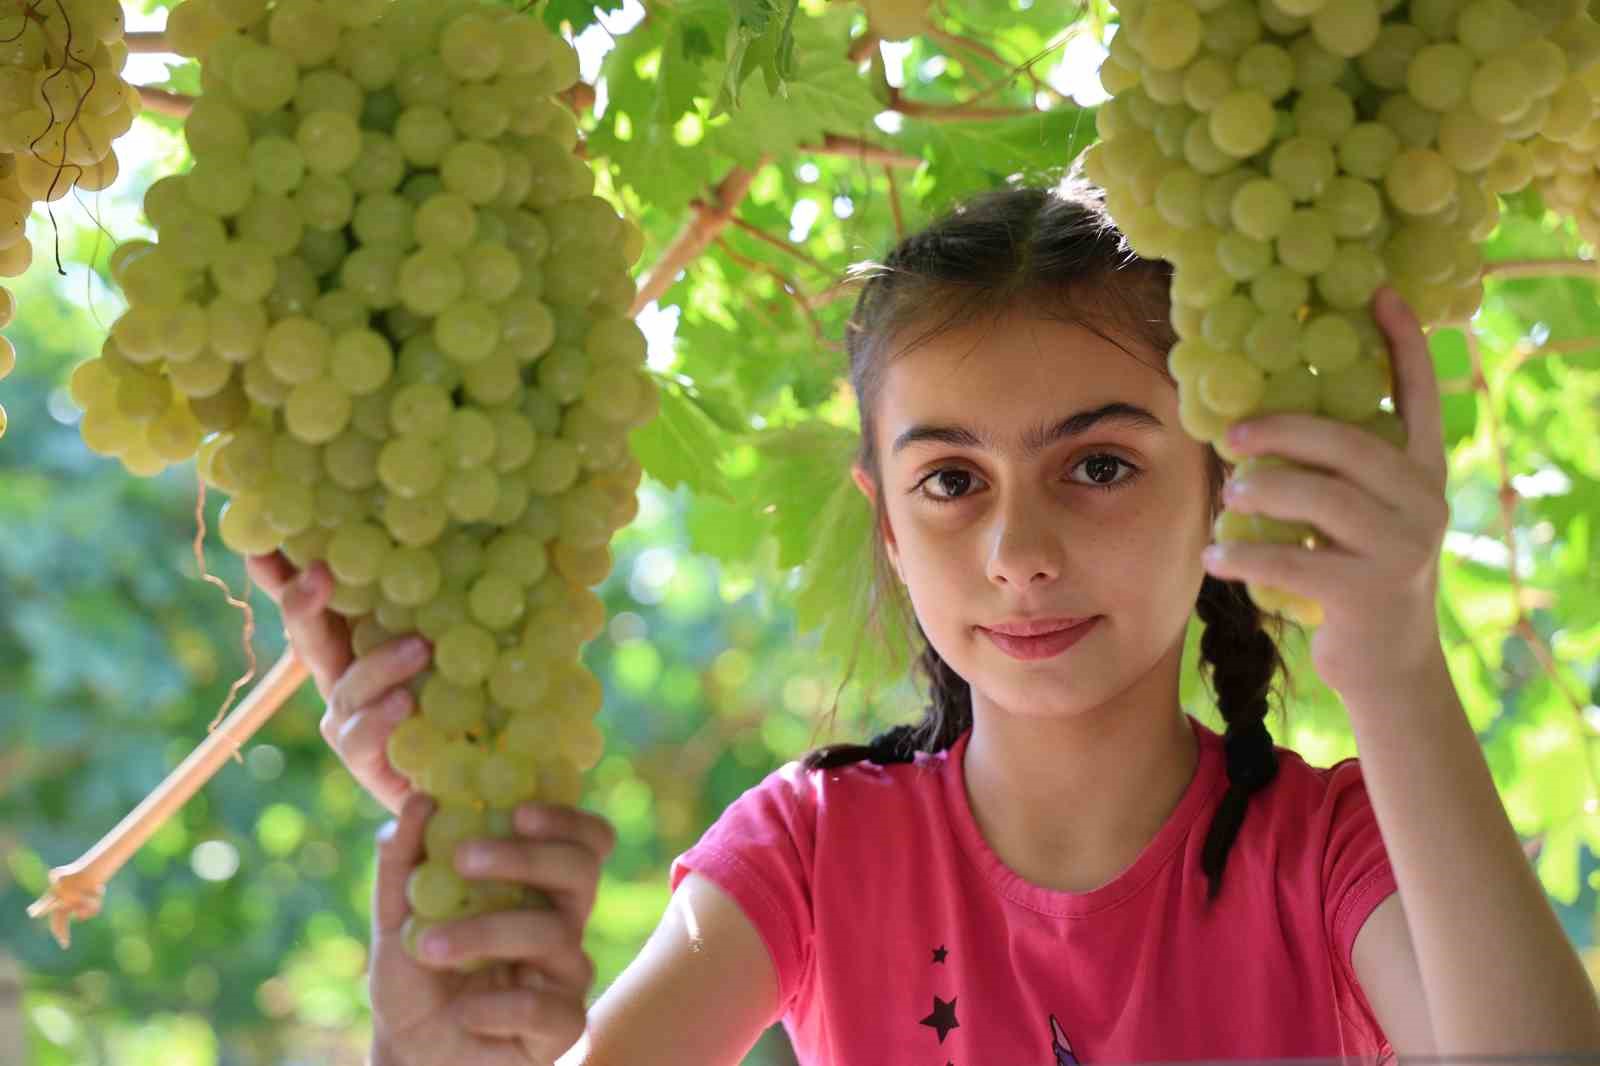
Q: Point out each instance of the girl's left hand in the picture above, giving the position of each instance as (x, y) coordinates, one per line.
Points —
(1380, 512)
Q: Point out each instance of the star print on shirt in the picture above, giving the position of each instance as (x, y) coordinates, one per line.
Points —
(939, 953)
(943, 1017)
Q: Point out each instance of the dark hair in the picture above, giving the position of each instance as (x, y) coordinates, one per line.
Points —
(988, 252)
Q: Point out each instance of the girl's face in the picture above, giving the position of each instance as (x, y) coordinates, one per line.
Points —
(1008, 499)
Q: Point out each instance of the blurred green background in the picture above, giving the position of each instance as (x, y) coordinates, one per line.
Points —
(237, 936)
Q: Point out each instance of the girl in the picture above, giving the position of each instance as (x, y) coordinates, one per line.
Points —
(1057, 864)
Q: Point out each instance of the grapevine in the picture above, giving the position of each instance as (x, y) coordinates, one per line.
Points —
(1288, 157)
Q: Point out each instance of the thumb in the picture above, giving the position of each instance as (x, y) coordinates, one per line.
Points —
(399, 852)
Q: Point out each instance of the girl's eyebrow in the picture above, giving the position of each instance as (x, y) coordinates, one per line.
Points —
(1038, 438)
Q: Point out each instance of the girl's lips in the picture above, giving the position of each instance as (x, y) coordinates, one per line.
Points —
(1041, 647)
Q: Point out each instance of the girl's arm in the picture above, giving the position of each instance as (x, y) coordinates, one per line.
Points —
(701, 992)
(1497, 972)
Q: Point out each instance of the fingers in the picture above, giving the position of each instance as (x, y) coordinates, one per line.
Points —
(270, 572)
(554, 821)
(569, 873)
(547, 1023)
(321, 636)
(1416, 385)
(370, 678)
(399, 852)
(542, 939)
(362, 744)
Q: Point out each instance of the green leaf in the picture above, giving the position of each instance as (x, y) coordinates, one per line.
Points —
(681, 446)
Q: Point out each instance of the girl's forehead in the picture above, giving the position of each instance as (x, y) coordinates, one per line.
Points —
(1019, 359)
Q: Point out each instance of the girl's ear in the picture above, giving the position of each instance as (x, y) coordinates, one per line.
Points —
(864, 482)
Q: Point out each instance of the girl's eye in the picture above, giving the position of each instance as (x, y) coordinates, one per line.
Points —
(1106, 465)
(954, 483)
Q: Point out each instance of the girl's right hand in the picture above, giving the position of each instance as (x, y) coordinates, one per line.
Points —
(527, 1008)
(365, 698)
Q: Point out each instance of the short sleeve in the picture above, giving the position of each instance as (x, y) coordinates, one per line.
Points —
(760, 851)
(1356, 875)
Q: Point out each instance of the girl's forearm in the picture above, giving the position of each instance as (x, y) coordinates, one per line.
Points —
(1498, 971)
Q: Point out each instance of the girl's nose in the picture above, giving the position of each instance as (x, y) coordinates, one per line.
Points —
(1025, 549)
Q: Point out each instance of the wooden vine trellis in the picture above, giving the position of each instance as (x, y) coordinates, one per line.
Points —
(77, 889)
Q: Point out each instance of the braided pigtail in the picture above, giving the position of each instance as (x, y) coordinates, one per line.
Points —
(1243, 657)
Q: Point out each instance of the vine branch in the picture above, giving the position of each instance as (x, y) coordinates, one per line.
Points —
(709, 218)
(790, 287)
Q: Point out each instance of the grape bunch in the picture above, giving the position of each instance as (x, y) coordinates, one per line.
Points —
(1564, 157)
(62, 104)
(1287, 157)
(389, 317)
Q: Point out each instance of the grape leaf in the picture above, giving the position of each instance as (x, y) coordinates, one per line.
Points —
(681, 446)
(762, 37)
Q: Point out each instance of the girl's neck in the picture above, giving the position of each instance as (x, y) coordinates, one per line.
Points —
(1069, 803)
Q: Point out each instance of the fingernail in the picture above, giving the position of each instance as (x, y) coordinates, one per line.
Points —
(417, 648)
(399, 706)
(436, 945)
(472, 859)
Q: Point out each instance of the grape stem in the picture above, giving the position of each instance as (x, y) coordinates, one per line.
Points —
(1541, 268)
(148, 42)
(76, 890)
(163, 102)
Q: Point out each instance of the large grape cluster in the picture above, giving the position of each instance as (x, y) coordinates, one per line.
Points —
(389, 313)
(62, 104)
(1290, 156)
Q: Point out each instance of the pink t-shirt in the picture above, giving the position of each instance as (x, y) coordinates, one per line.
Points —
(899, 936)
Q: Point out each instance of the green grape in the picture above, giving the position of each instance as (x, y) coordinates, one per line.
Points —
(1280, 288)
(1266, 68)
(356, 552)
(1303, 166)
(446, 221)
(1273, 341)
(362, 361)
(423, 134)
(430, 281)
(1413, 124)
(1420, 181)
(1324, 112)
(1351, 279)
(1328, 342)
(473, 495)
(449, 827)
(1385, 64)
(1243, 257)
(1289, 390)
(297, 350)
(1353, 393)
(470, 47)
(1205, 82)
(1502, 88)
(409, 576)
(1307, 244)
(1351, 207)
(496, 599)
(1346, 27)
(465, 653)
(330, 141)
(421, 408)
(474, 170)
(1261, 208)
(1169, 34)
(504, 780)
(411, 466)
(467, 331)
(317, 411)
(1440, 75)
(1242, 122)
(436, 891)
